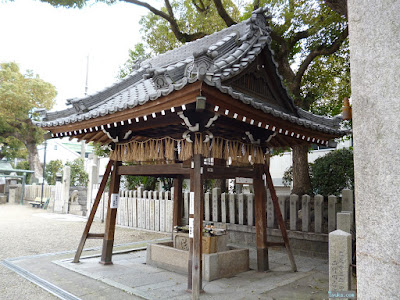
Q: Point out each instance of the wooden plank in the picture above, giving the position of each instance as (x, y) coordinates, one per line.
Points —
(278, 214)
(198, 227)
(108, 241)
(223, 172)
(95, 137)
(261, 220)
(170, 170)
(93, 212)
(95, 236)
(177, 211)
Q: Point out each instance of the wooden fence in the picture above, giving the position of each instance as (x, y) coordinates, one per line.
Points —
(153, 210)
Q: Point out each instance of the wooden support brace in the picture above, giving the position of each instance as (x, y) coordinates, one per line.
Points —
(108, 241)
(93, 212)
(279, 217)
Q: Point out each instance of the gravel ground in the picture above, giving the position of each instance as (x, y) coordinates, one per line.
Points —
(29, 231)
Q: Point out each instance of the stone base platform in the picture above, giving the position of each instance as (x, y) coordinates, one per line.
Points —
(215, 265)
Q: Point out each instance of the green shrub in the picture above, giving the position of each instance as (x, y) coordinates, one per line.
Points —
(333, 172)
(52, 168)
(24, 165)
(329, 174)
(79, 177)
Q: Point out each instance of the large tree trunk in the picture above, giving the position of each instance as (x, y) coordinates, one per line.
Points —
(33, 158)
(301, 177)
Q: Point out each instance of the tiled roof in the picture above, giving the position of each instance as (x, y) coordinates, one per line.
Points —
(214, 59)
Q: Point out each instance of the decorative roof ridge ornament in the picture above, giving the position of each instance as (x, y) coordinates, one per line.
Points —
(78, 104)
(203, 63)
(259, 19)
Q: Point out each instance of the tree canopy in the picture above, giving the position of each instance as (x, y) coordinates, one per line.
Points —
(20, 95)
(309, 43)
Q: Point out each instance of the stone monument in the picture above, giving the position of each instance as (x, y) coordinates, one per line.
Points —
(375, 71)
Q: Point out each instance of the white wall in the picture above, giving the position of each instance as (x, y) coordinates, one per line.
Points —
(280, 163)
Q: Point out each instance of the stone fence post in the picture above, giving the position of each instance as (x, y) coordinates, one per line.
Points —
(66, 183)
(305, 213)
(318, 212)
(344, 221)
(294, 207)
(339, 261)
(332, 200)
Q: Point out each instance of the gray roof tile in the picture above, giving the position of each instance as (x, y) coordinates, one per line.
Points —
(228, 52)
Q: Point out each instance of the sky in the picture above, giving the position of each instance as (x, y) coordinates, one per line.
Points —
(56, 42)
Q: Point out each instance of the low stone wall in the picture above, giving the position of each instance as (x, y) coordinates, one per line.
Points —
(302, 243)
(215, 265)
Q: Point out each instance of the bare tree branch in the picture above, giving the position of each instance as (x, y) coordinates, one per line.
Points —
(169, 8)
(256, 4)
(322, 50)
(201, 8)
(299, 36)
(223, 14)
(180, 36)
(340, 6)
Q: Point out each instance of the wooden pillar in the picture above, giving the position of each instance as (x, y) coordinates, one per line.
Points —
(197, 227)
(177, 213)
(108, 242)
(261, 219)
(191, 215)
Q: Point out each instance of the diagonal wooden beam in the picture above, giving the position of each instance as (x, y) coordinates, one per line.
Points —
(278, 214)
(93, 212)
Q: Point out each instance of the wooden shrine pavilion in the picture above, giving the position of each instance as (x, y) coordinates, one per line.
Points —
(212, 108)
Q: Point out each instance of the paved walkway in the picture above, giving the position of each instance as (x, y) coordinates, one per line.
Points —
(130, 278)
(26, 231)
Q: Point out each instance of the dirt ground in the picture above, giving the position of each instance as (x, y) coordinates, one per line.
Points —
(26, 231)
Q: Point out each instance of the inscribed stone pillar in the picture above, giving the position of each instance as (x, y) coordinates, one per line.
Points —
(146, 196)
(216, 204)
(250, 209)
(318, 212)
(153, 196)
(282, 206)
(270, 213)
(347, 200)
(157, 210)
(162, 212)
(305, 212)
(207, 210)
(168, 211)
(344, 221)
(65, 188)
(224, 207)
(375, 72)
(339, 261)
(332, 200)
(90, 191)
(232, 208)
(186, 206)
(241, 207)
(294, 200)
